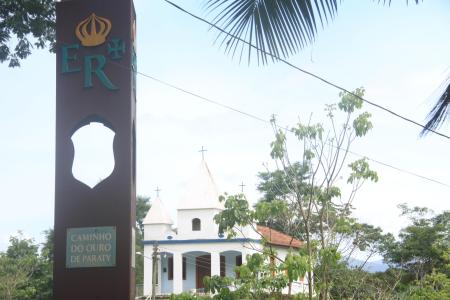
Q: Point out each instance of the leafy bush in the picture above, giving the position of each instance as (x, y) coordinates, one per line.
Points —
(433, 286)
(188, 296)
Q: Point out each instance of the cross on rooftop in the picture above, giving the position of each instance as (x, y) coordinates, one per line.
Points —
(203, 150)
(157, 191)
(242, 187)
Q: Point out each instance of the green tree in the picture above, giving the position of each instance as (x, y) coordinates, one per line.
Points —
(259, 278)
(424, 245)
(433, 286)
(17, 266)
(295, 266)
(302, 196)
(315, 198)
(258, 274)
(142, 207)
(25, 272)
(354, 283)
(25, 24)
(41, 281)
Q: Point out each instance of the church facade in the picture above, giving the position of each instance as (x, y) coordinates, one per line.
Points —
(195, 248)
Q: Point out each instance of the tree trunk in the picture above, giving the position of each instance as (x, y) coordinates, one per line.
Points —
(308, 246)
(324, 294)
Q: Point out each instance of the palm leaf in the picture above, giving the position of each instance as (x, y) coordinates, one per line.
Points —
(280, 28)
(272, 28)
(276, 27)
(440, 111)
(407, 1)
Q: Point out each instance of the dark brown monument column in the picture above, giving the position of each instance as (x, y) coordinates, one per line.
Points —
(95, 82)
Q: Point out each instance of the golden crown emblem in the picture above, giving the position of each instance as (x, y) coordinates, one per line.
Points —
(93, 30)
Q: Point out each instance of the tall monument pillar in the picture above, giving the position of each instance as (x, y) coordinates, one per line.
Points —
(94, 251)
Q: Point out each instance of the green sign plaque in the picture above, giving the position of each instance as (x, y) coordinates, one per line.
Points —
(89, 247)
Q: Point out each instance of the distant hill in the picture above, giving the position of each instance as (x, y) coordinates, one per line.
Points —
(370, 266)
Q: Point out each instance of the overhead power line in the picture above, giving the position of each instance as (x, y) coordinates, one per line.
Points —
(201, 97)
(255, 117)
(401, 170)
(320, 78)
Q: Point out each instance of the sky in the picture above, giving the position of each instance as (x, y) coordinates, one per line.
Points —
(399, 54)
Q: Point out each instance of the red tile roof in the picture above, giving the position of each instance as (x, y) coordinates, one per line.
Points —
(275, 237)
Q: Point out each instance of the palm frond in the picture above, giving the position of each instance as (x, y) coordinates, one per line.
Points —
(278, 27)
(389, 1)
(441, 110)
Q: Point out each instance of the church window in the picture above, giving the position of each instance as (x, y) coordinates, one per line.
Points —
(196, 224)
(238, 263)
(170, 268)
(239, 260)
(184, 268)
(222, 266)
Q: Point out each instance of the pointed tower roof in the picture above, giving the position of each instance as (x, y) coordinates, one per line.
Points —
(157, 214)
(202, 192)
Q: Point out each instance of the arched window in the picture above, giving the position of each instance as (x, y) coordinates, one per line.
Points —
(196, 224)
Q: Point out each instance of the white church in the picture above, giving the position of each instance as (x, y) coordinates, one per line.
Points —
(195, 248)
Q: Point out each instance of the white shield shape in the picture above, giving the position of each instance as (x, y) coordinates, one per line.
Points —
(94, 155)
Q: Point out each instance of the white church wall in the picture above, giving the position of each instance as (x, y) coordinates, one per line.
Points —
(147, 270)
(157, 232)
(298, 286)
(208, 247)
(166, 284)
(189, 283)
(251, 233)
(224, 247)
(230, 262)
(209, 229)
(229, 249)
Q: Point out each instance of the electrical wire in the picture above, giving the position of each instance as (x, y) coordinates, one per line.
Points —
(203, 98)
(253, 116)
(320, 78)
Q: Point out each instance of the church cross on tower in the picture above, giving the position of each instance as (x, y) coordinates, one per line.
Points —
(157, 191)
(242, 187)
(203, 150)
